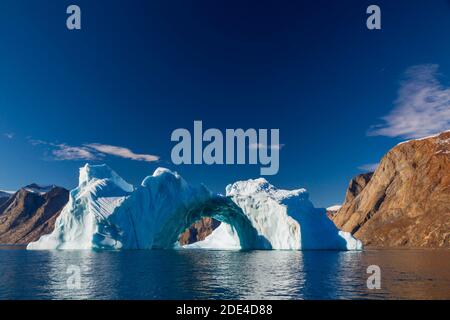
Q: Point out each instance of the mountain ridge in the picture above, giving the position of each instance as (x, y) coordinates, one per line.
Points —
(406, 202)
(28, 214)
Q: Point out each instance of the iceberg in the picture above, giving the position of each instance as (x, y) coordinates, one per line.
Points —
(106, 212)
(285, 218)
(84, 223)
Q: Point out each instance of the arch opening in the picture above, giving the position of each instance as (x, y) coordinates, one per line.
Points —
(198, 231)
(219, 208)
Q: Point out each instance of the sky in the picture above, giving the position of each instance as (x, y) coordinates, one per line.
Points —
(114, 91)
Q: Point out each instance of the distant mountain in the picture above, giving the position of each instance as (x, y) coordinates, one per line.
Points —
(35, 188)
(30, 213)
(198, 231)
(406, 202)
(4, 196)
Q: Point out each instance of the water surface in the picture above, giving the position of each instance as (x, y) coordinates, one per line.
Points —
(203, 274)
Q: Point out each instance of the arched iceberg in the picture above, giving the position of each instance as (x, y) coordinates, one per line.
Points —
(105, 212)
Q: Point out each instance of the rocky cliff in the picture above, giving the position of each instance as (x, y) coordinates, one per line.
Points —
(356, 185)
(406, 203)
(30, 213)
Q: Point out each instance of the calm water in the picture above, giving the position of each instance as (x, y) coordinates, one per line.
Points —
(198, 274)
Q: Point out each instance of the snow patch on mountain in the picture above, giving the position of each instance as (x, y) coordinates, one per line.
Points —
(424, 138)
(6, 194)
(35, 188)
(336, 207)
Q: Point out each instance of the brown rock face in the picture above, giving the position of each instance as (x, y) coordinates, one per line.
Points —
(198, 231)
(406, 203)
(356, 185)
(27, 215)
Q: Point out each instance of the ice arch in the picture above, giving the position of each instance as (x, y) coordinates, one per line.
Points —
(164, 205)
(105, 212)
(220, 208)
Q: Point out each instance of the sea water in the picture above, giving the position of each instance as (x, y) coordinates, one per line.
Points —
(204, 274)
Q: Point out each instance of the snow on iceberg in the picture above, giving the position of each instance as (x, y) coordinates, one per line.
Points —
(285, 218)
(105, 212)
(84, 221)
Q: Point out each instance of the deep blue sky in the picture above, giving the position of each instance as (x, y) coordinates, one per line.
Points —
(140, 69)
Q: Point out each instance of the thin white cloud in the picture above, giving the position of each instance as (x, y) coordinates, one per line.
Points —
(422, 107)
(8, 135)
(65, 152)
(62, 151)
(263, 146)
(91, 151)
(121, 152)
(368, 167)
